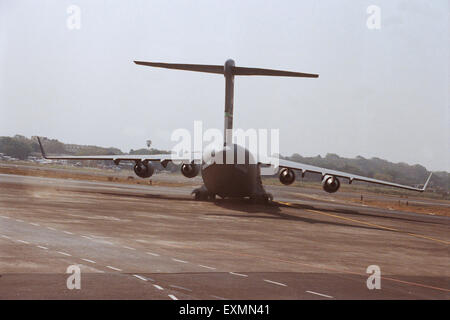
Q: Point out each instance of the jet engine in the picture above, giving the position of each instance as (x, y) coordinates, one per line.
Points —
(144, 169)
(330, 184)
(287, 176)
(190, 170)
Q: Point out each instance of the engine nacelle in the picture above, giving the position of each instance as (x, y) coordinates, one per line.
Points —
(190, 170)
(143, 169)
(330, 184)
(287, 176)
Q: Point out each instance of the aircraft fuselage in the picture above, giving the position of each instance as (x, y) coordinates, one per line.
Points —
(231, 172)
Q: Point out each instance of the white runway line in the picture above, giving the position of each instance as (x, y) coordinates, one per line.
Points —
(6, 237)
(42, 247)
(67, 232)
(139, 277)
(274, 282)
(153, 254)
(178, 287)
(116, 269)
(99, 240)
(5, 217)
(87, 260)
(50, 228)
(320, 294)
(87, 237)
(207, 267)
(172, 297)
(35, 224)
(217, 297)
(158, 287)
(64, 253)
(177, 260)
(238, 274)
(129, 248)
(18, 220)
(26, 242)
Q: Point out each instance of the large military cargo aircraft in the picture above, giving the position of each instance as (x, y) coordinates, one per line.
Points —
(235, 179)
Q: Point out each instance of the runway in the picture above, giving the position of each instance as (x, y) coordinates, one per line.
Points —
(154, 242)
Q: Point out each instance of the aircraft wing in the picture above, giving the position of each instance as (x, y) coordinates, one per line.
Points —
(351, 177)
(163, 158)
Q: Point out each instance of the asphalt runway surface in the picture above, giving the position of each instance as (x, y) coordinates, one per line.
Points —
(148, 242)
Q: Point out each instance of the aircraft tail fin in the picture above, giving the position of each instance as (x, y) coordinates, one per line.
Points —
(229, 70)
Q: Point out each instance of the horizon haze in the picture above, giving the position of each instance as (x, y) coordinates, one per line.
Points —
(381, 92)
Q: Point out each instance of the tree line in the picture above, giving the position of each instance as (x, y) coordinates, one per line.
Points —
(21, 147)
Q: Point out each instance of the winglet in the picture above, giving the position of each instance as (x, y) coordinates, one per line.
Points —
(426, 183)
(42, 148)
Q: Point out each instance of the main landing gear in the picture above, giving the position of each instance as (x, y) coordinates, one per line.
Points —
(203, 194)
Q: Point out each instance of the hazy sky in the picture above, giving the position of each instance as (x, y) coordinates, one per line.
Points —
(381, 93)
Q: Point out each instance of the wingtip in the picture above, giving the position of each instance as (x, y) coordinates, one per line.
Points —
(426, 183)
(41, 147)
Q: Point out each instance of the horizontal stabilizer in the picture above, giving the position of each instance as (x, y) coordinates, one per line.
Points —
(219, 69)
(242, 71)
(188, 67)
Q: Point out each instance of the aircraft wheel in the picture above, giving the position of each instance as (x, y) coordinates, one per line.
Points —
(196, 195)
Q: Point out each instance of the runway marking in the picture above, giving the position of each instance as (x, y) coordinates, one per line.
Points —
(177, 260)
(64, 253)
(153, 254)
(104, 241)
(51, 228)
(178, 287)
(158, 287)
(139, 277)
(67, 232)
(5, 217)
(113, 268)
(18, 220)
(26, 242)
(238, 274)
(242, 254)
(35, 224)
(217, 297)
(277, 283)
(207, 267)
(370, 224)
(320, 294)
(379, 226)
(6, 237)
(86, 237)
(172, 297)
(130, 248)
(87, 260)
(42, 247)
